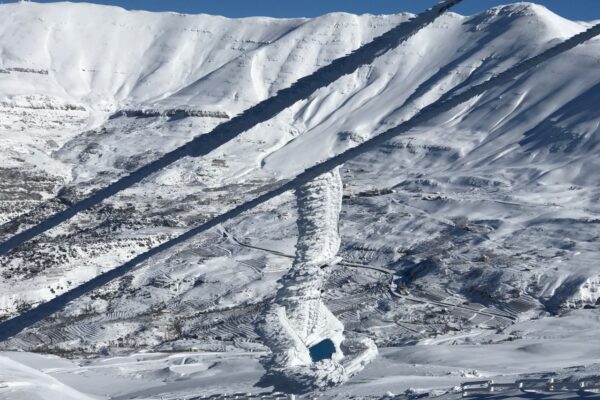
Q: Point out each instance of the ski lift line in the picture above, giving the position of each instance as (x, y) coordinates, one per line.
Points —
(261, 112)
(15, 325)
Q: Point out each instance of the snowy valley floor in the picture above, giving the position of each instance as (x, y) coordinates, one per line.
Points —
(560, 347)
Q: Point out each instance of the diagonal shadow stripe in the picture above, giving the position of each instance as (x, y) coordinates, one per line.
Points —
(14, 326)
(261, 112)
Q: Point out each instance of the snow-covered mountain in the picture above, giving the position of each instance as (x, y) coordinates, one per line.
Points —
(494, 204)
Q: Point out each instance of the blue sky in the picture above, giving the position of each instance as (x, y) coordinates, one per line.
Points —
(574, 9)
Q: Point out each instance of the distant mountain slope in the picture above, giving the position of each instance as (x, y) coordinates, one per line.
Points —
(494, 203)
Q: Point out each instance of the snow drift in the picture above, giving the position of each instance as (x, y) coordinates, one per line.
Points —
(494, 202)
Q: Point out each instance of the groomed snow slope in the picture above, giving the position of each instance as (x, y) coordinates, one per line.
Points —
(563, 348)
(23, 382)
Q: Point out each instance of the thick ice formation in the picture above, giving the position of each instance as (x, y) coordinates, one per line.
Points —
(299, 319)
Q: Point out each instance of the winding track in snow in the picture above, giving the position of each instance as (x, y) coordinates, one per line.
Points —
(15, 325)
(263, 111)
(508, 316)
(281, 254)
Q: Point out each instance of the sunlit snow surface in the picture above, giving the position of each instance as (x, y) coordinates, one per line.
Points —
(559, 347)
(492, 207)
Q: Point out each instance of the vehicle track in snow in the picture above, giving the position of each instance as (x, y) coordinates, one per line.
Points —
(508, 316)
(281, 254)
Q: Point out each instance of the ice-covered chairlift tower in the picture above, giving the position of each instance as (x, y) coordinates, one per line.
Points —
(298, 320)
